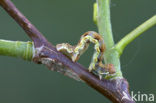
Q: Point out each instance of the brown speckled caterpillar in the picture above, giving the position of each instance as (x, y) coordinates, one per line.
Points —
(74, 52)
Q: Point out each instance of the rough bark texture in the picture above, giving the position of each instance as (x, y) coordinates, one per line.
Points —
(116, 90)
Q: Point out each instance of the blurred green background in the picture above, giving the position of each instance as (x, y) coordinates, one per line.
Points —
(65, 21)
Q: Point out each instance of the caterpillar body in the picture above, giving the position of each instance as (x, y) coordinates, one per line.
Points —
(74, 52)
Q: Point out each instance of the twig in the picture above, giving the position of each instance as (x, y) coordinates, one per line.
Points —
(30, 29)
(19, 49)
(120, 46)
(47, 54)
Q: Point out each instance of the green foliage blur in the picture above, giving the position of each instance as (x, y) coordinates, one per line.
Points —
(65, 21)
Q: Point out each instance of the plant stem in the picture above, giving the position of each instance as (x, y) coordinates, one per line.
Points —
(134, 34)
(105, 29)
(104, 22)
(19, 49)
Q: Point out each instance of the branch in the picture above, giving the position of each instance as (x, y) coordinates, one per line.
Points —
(30, 29)
(19, 49)
(120, 46)
(46, 53)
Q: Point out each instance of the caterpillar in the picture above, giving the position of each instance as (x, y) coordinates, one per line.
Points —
(74, 52)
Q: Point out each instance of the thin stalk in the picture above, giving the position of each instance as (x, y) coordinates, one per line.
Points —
(120, 46)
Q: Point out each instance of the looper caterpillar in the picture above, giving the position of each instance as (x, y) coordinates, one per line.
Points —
(74, 52)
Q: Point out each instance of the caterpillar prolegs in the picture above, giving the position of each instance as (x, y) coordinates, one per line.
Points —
(74, 52)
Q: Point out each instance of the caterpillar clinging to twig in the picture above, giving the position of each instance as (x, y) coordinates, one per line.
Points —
(74, 52)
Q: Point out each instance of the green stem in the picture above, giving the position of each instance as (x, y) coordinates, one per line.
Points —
(104, 22)
(111, 56)
(19, 49)
(134, 34)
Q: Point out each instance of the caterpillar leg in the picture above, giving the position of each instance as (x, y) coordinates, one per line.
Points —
(104, 69)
